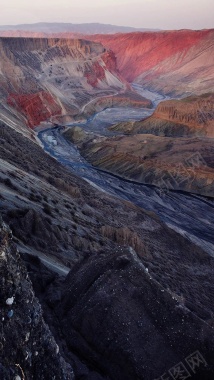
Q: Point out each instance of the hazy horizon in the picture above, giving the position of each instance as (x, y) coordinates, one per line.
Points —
(154, 14)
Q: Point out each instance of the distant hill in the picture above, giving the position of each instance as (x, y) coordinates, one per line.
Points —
(55, 27)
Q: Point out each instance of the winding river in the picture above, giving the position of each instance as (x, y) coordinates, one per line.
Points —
(188, 214)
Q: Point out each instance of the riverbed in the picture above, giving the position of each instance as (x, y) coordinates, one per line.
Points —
(190, 215)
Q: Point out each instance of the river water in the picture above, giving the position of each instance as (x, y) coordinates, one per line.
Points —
(188, 214)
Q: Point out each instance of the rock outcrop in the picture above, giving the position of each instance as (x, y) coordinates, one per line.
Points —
(28, 350)
(115, 316)
(122, 321)
(41, 106)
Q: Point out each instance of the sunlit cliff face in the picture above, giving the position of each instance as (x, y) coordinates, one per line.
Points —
(171, 62)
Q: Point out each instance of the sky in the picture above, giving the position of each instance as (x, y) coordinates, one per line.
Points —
(160, 14)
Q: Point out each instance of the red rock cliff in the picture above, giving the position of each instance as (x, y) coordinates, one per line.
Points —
(165, 59)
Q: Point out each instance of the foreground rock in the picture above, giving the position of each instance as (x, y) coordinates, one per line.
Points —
(111, 317)
(120, 320)
(27, 347)
(116, 316)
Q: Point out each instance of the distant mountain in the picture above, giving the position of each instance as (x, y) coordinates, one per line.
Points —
(55, 27)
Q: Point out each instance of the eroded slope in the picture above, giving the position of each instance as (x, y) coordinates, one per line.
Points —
(170, 62)
(46, 79)
(187, 117)
(179, 164)
(27, 347)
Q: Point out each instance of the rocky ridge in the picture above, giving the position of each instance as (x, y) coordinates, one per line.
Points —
(27, 347)
(134, 327)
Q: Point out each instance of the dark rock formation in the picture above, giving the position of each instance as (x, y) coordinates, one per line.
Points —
(27, 347)
(124, 323)
(111, 319)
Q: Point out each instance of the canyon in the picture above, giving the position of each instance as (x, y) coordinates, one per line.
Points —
(70, 227)
(106, 198)
(174, 63)
(172, 148)
(43, 79)
(155, 59)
